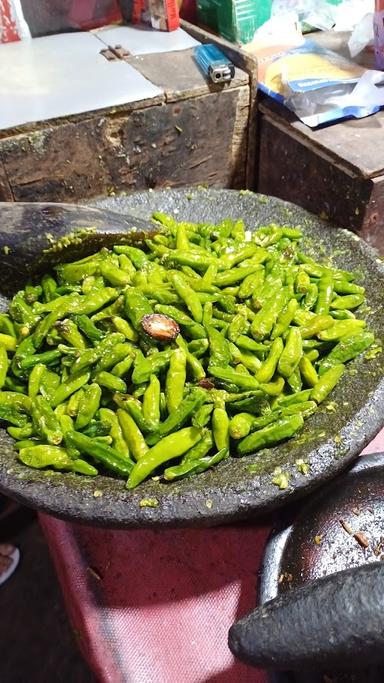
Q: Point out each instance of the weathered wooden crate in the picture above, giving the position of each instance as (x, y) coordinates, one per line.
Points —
(337, 171)
(194, 133)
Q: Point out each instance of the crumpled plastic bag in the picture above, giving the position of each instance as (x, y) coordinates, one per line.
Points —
(362, 35)
(319, 85)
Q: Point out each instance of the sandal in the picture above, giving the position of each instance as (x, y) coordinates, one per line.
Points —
(9, 559)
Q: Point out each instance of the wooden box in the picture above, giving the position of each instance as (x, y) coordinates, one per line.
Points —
(336, 172)
(195, 133)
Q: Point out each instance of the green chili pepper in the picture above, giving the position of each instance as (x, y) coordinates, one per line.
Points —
(125, 328)
(347, 301)
(6, 325)
(111, 356)
(325, 294)
(88, 405)
(175, 380)
(136, 307)
(294, 398)
(114, 275)
(101, 453)
(282, 429)
(150, 366)
(137, 256)
(7, 342)
(69, 387)
(294, 381)
(53, 456)
(4, 365)
(88, 328)
(12, 415)
(237, 326)
(308, 372)
(193, 363)
(266, 318)
(45, 421)
(198, 347)
(341, 328)
(122, 368)
(235, 275)
(194, 466)
(151, 403)
(220, 427)
(68, 330)
(246, 382)
(267, 369)
(180, 416)
(316, 325)
(49, 382)
(240, 425)
(202, 417)
(254, 313)
(292, 353)
(132, 435)
(16, 401)
(111, 382)
(110, 419)
(170, 447)
(189, 296)
(349, 347)
(218, 347)
(326, 383)
(284, 319)
(310, 298)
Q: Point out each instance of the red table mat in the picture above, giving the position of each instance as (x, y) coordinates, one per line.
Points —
(155, 606)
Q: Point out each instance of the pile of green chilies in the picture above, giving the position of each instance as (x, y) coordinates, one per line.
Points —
(265, 332)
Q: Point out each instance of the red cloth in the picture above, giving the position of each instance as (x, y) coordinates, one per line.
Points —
(165, 600)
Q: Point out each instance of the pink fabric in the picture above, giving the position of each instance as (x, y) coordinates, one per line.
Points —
(165, 600)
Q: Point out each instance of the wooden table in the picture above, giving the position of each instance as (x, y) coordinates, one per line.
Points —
(194, 133)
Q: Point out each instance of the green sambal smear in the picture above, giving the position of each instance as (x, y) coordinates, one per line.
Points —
(163, 361)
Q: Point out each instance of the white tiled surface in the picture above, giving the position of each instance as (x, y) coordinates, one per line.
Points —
(141, 40)
(64, 74)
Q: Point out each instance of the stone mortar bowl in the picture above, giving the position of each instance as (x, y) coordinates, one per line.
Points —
(329, 441)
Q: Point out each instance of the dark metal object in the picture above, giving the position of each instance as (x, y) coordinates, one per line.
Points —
(329, 441)
(321, 592)
(115, 54)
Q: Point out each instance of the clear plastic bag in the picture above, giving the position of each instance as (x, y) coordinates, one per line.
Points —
(311, 13)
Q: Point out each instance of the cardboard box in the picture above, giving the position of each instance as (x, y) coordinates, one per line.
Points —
(236, 20)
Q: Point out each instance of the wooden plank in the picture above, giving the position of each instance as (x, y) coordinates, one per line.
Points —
(356, 143)
(298, 173)
(248, 63)
(373, 221)
(179, 76)
(200, 140)
(78, 118)
(59, 163)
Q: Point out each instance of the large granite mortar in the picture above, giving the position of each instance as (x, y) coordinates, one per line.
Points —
(328, 442)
